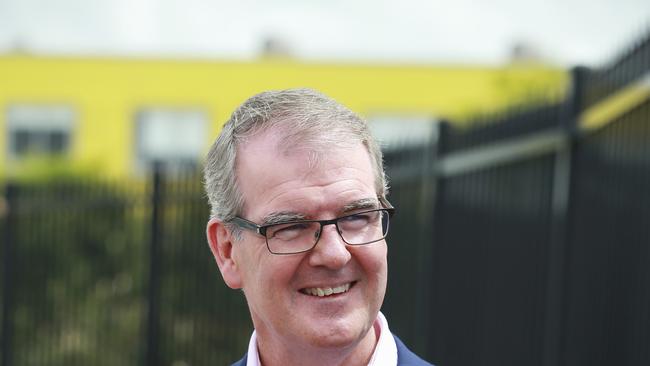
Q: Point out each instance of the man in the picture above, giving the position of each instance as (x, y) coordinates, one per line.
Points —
(298, 221)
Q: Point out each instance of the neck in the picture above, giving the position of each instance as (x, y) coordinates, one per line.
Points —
(357, 354)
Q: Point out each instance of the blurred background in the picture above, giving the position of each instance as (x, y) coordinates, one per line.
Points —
(516, 137)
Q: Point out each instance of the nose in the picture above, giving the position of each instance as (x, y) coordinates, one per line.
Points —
(330, 250)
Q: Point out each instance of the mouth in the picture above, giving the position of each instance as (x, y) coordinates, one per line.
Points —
(327, 291)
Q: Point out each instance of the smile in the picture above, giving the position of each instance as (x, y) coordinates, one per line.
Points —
(326, 291)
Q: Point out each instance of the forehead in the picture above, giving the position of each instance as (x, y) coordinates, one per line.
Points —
(273, 175)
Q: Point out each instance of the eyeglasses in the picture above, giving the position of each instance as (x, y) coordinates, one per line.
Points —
(298, 236)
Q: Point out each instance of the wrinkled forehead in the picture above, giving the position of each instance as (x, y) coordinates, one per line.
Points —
(290, 140)
(269, 170)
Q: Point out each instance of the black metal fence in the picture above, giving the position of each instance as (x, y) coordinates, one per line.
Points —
(539, 247)
(524, 241)
(114, 274)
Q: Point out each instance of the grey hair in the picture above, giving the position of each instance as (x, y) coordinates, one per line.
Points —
(307, 120)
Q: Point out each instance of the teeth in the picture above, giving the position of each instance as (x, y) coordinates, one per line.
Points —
(320, 292)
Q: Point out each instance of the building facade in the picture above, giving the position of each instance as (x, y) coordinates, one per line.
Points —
(116, 116)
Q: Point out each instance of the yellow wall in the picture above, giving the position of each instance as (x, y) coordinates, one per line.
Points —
(106, 93)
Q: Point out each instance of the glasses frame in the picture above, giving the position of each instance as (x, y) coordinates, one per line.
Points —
(261, 229)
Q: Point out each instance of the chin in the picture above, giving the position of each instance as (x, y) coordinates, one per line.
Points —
(338, 337)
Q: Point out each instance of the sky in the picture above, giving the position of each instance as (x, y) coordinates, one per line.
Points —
(563, 32)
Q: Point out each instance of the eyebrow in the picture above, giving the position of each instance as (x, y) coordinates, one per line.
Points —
(361, 204)
(286, 216)
(281, 216)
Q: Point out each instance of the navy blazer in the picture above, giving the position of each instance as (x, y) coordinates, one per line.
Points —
(404, 356)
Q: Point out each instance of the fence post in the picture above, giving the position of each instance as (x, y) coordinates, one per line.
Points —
(9, 214)
(442, 140)
(153, 313)
(560, 214)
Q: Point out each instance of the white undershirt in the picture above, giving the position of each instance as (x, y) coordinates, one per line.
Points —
(385, 353)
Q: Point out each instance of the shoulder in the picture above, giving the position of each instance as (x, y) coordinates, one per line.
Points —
(241, 362)
(405, 357)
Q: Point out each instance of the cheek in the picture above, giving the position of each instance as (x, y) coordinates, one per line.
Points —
(270, 274)
(249, 263)
(373, 262)
(381, 268)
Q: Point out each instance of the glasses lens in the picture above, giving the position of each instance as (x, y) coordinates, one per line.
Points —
(295, 237)
(365, 227)
(292, 237)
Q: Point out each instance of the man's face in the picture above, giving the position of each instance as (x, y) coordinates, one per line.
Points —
(278, 287)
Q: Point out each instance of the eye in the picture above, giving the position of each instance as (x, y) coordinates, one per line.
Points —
(288, 231)
(358, 221)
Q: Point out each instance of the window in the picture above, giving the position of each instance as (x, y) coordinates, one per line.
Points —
(39, 130)
(174, 137)
(402, 130)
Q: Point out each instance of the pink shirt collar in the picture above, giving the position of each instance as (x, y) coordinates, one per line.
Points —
(385, 353)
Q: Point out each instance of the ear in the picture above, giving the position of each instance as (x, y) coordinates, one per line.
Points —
(221, 245)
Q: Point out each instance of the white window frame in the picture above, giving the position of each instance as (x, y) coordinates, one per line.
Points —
(395, 129)
(38, 119)
(168, 143)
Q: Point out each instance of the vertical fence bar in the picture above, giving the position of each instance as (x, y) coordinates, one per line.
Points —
(153, 313)
(428, 187)
(7, 284)
(561, 199)
(441, 147)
